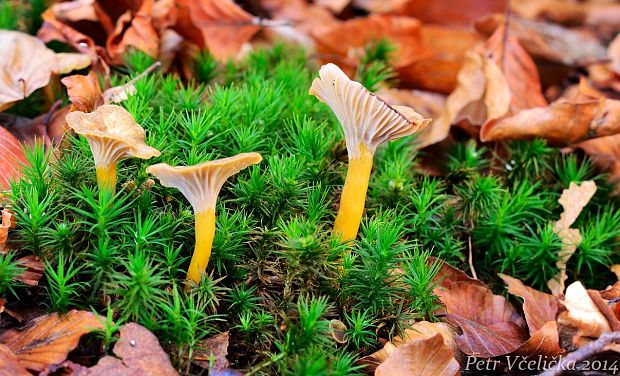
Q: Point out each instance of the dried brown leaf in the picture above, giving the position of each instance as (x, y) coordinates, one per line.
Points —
(5, 225)
(223, 25)
(138, 353)
(582, 313)
(212, 352)
(33, 270)
(538, 307)
(344, 42)
(428, 356)
(47, 339)
(135, 31)
(436, 68)
(487, 341)
(84, 91)
(548, 40)
(27, 65)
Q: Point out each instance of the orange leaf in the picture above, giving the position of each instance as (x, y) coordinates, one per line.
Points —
(421, 357)
(83, 91)
(345, 41)
(33, 270)
(48, 339)
(9, 364)
(538, 307)
(135, 31)
(224, 26)
(11, 156)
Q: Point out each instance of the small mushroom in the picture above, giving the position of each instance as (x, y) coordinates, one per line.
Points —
(367, 122)
(113, 135)
(201, 184)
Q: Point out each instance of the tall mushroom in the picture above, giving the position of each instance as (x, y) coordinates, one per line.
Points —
(201, 184)
(113, 135)
(367, 122)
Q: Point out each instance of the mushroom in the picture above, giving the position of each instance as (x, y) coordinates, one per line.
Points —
(367, 122)
(201, 184)
(113, 135)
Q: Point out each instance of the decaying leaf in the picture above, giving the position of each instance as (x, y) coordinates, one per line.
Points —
(33, 270)
(336, 6)
(547, 40)
(496, 81)
(84, 91)
(47, 339)
(419, 331)
(134, 30)
(540, 311)
(9, 364)
(138, 353)
(424, 357)
(11, 156)
(223, 25)
(211, 354)
(582, 313)
(573, 200)
(27, 65)
(565, 121)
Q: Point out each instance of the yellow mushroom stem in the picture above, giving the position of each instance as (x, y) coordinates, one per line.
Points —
(353, 196)
(205, 231)
(106, 177)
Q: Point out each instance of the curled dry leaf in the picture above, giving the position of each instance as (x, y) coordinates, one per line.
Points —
(573, 200)
(338, 329)
(540, 311)
(223, 25)
(211, 353)
(84, 92)
(424, 357)
(335, 6)
(582, 313)
(419, 331)
(138, 353)
(565, 121)
(547, 40)
(134, 30)
(538, 307)
(9, 364)
(11, 156)
(497, 80)
(47, 339)
(27, 65)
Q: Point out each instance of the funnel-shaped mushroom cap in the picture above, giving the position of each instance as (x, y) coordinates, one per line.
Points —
(365, 118)
(112, 133)
(201, 183)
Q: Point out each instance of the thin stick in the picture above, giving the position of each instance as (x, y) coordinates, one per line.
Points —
(471, 260)
(568, 363)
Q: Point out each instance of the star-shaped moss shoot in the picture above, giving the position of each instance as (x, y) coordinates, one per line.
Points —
(367, 122)
(113, 135)
(201, 184)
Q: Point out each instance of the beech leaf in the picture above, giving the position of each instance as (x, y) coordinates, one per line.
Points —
(47, 339)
